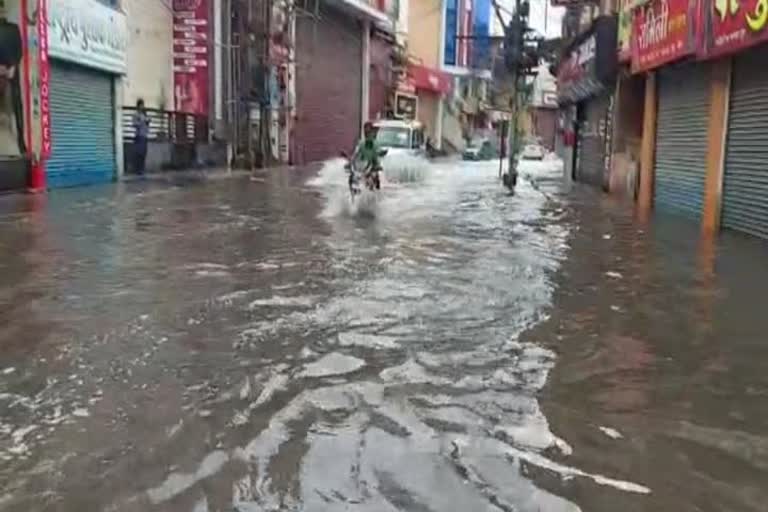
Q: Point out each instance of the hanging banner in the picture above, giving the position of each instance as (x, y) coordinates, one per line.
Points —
(45, 81)
(735, 24)
(663, 31)
(190, 56)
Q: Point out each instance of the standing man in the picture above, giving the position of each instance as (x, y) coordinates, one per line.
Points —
(141, 128)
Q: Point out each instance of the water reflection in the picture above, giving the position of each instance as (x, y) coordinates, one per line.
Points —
(254, 344)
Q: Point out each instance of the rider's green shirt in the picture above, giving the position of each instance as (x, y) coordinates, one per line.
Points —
(367, 151)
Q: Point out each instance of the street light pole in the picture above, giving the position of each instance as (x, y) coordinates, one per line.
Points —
(510, 179)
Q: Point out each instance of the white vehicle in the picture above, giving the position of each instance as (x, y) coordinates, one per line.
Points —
(401, 137)
(533, 152)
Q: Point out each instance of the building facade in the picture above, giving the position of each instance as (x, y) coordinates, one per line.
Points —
(708, 168)
(586, 85)
(87, 45)
(450, 68)
(690, 109)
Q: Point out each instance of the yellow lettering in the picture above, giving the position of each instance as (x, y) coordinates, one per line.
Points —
(758, 21)
(726, 7)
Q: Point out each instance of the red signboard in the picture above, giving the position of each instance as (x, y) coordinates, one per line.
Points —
(190, 56)
(663, 31)
(45, 81)
(430, 79)
(736, 24)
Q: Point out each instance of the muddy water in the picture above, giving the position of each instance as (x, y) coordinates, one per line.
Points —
(243, 344)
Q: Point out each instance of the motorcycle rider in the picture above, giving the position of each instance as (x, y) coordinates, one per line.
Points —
(367, 152)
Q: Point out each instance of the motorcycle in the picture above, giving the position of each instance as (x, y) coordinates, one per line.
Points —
(358, 178)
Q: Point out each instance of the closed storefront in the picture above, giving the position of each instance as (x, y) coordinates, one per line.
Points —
(380, 75)
(432, 86)
(681, 139)
(745, 182)
(82, 118)
(593, 150)
(329, 53)
(586, 80)
(82, 92)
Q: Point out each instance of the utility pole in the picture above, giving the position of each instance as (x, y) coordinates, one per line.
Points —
(521, 59)
(510, 179)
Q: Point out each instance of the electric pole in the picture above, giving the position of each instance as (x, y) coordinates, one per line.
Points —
(521, 57)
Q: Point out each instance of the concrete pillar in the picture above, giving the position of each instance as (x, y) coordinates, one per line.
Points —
(365, 99)
(438, 142)
(118, 93)
(218, 62)
(648, 146)
(720, 88)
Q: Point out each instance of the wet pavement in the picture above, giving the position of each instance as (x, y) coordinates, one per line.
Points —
(244, 344)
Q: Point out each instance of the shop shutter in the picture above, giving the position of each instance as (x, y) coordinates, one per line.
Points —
(745, 185)
(591, 151)
(83, 128)
(681, 139)
(380, 77)
(329, 53)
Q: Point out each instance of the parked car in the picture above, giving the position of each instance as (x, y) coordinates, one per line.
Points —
(400, 137)
(480, 149)
(533, 152)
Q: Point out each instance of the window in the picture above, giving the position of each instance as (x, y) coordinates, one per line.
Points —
(393, 137)
(418, 138)
(451, 30)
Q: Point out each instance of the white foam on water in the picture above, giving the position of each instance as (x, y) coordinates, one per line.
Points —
(277, 382)
(332, 364)
(280, 301)
(211, 273)
(610, 432)
(570, 472)
(405, 168)
(177, 483)
(347, 339)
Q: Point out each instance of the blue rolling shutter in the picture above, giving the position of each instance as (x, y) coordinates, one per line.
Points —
(681, 139)
(83, 134)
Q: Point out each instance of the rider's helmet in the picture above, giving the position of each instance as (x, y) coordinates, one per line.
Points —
(368, 128)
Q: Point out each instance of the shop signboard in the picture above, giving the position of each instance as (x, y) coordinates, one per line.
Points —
(89, 33)
(590, 65)
(663, 31)
(405, 106)
(625, 31)
(735, 25)
(190, 56)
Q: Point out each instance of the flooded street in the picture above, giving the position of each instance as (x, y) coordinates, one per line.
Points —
(246, 344)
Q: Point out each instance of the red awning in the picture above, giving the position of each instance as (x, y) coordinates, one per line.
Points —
(430, 79)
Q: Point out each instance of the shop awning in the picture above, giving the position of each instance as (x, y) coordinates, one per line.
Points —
(429, 79)
(363, 10)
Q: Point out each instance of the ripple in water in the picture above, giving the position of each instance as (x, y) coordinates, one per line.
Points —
(417, 394)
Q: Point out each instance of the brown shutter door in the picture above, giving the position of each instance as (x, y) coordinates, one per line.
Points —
(329, 57)
(381, 51)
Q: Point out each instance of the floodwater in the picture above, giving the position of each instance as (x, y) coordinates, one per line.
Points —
(259, 344)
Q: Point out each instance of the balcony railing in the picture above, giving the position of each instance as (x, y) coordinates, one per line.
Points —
(165, 125)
